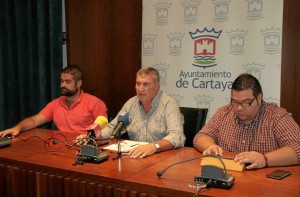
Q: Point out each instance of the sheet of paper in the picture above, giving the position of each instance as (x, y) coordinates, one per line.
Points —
(125, 145)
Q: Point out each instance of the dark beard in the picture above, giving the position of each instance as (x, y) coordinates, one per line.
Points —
(68, 93)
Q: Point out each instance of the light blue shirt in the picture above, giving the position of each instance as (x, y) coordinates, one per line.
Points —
(164, 121)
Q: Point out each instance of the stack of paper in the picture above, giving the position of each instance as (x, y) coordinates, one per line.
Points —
(125, 145)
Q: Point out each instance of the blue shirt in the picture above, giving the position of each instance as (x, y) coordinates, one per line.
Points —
(163, 121)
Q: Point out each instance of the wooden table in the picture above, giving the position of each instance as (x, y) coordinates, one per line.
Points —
(175, 181)
(28, 169)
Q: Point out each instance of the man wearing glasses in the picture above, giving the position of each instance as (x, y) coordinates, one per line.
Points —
(263, 134)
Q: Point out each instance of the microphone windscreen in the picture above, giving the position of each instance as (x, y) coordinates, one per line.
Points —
(124, 117)
(101, 121)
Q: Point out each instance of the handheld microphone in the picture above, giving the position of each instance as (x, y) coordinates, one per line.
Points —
(123, 121)
(100, 121)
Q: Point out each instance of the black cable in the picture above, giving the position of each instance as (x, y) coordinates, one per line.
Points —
(48, 141)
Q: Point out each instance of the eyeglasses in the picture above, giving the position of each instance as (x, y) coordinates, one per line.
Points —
(243, 104)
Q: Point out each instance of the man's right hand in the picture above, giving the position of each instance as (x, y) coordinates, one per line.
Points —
(12, 131)
(80, 139)
(213, 149)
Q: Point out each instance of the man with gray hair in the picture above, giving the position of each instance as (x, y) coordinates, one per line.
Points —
(154, 117)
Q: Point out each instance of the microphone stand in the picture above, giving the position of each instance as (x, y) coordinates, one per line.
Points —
(119, 153)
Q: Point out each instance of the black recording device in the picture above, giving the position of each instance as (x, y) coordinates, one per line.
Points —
(212, 176)
(90, 152)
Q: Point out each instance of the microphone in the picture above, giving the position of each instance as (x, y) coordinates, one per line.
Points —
(160, 173)
(65, 142)
(100, 121)
(210, 175)
(123, 121)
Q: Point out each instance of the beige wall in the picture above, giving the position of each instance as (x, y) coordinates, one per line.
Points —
(110, 58)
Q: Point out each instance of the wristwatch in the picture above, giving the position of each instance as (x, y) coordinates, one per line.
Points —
(156, 146)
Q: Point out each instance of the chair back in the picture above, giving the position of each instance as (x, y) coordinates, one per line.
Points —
(194, 120)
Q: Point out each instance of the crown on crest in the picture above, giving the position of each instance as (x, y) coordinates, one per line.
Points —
(205, 33)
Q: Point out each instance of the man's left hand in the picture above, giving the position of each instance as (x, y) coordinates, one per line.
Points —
(255, 159)
(142, 151)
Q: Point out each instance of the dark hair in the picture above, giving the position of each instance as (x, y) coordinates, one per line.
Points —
(246, 81)
(73, 70)
(149, 71)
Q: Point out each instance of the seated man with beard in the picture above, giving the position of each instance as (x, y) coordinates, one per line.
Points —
(74, 111)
